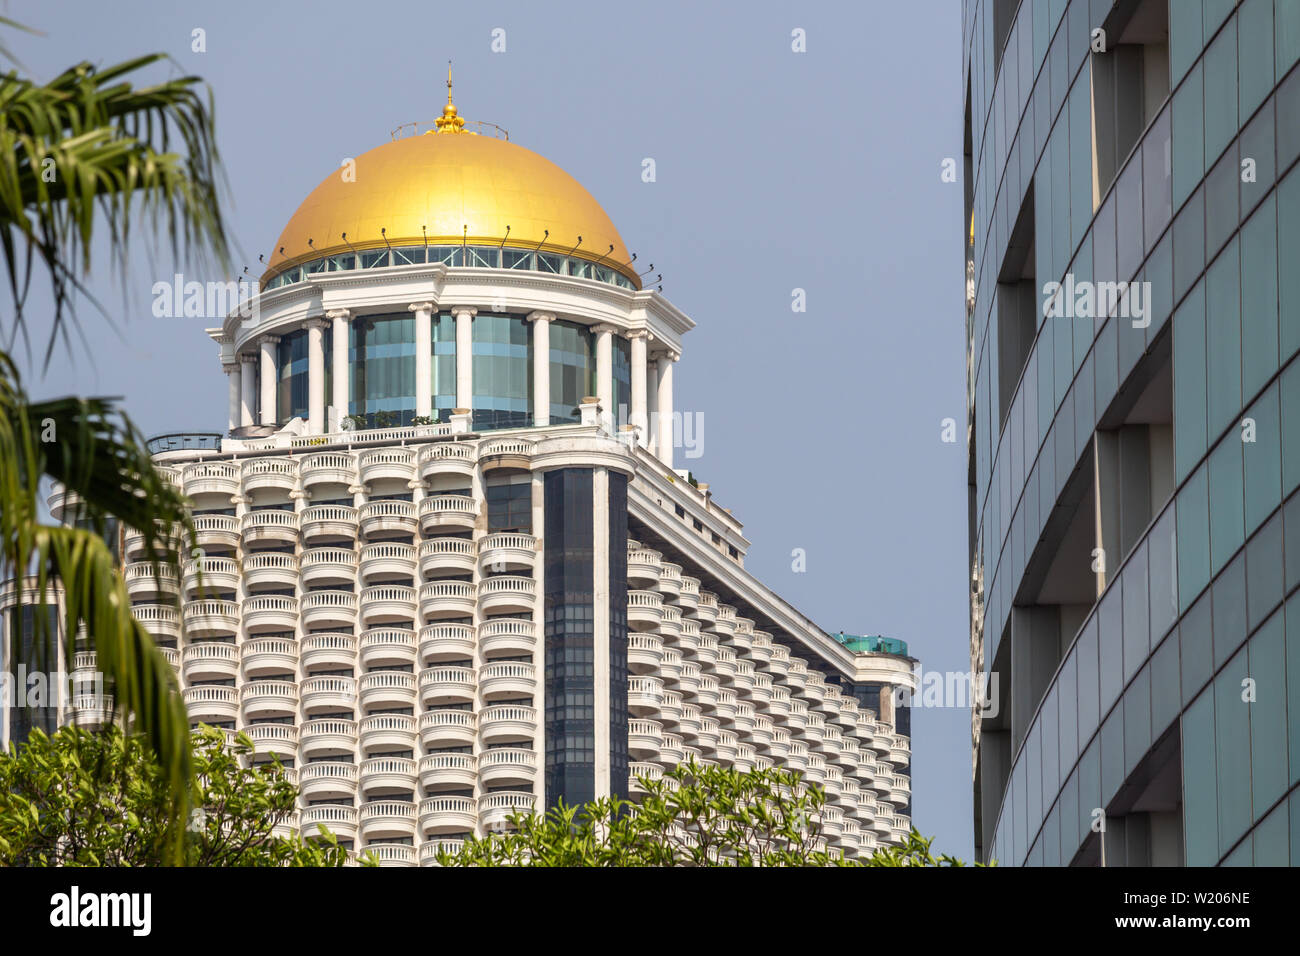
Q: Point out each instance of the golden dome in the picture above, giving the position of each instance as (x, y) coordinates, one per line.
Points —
(450, 188)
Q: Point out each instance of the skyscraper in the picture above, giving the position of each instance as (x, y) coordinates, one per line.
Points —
(1133, 315)
(447, 566)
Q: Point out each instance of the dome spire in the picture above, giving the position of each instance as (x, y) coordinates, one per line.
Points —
(449, 121)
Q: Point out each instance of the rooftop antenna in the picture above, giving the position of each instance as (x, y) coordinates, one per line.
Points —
(647, 272)
(350, 246)
(574, 249)
(383, 233)
(505, 237)
(545, 234)
(628, 264)
(611, 249)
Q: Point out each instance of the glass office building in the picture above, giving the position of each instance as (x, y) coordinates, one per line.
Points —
(1132, 234)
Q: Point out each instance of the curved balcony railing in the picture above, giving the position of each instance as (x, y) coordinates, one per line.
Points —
(446, 642)
(448, 512)
(328, 651)
(506, 636)
(329, 523)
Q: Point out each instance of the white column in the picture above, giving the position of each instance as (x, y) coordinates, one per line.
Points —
(233, 380)
(638, 417)
(605, 374)
(316, 376)
(464, 356)
(665, 444)
(339, 359)
(541, 366)
(247, 389)
(652, 403)
(423, 358)
(269, 379)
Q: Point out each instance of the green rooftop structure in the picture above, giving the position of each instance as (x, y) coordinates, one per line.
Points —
(872, 644)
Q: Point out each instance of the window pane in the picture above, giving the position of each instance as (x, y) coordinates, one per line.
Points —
(1193, 538)
(1268, 730)
(1227, 529)
(1200, 800)
(1231, 731)
(1223, 338)
(1262, 459)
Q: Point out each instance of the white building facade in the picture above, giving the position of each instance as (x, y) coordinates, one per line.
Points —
(447, 571)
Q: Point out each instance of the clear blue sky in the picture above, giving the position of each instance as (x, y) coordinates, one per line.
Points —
(775, 170)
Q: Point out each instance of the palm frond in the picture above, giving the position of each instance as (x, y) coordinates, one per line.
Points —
(90, 148)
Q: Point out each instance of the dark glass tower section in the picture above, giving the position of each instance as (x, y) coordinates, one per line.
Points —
(618, 759)
(570, 637)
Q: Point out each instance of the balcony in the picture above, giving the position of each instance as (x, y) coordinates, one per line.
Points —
(387, 464)
(441, 557)
(688, 595)
(448, 728)
(429, 850)
(204, 577)
(645, 738)
(322, 609)
(847, 717)
(386, 690)
(327, 780)
(728, 746)
(644, 567)
(322, 567)
(91, 711)
(445, 684)
(779, 666)
(672, 751)
(321, 652)
(832, 741)
(507, 551)
(816, 727)
(210, 660)
(505, 453)
(761, 734)
(508, 723)
(708, 692)
(448, 815)
(144, 581)
(447, 599)
(388, 519)
(900, 750)
(387, 647)
(816, 772)
(211, 704)
(218, 478)
(706, 611)
(270, 474)
(726, 666)
(269, 527)
(387, 732)
(160, 620)
(388, 604)
(327, 738)
(507, 594)
(495, 809)
(644, 610)
(388, 775)
(688, 724)
(797, 679)
(706, 653)
(385, 819)
(638, 771)
(834, 782)
(214, 532)
(760, 648)
(269, 655)
(725, 707)
(275, 613)
(744, 720)
(762, 692)
(278, 739)
(670, 711)
(796, 757)
(447, 772)
(744, 680)
(262, 699)
(501, 680)
(202, 618)
(387, 561)
(745, 757)
(849, 756)
(508, 767)
(832, 824)
(688, 681)
(779, 748)
(447, 458)
(329, 524)
(645, 695)
(814, 691)
(670, 666)
(644, 653)
(447, 642)
(779, 705)
(506, 637)
(328, 694)
(328, 468)
(340, 821)
(708, 735)
(671, 624)
(441, 514)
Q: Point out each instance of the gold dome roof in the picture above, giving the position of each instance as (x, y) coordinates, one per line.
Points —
(452, 186)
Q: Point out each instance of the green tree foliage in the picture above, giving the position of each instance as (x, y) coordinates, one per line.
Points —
(79, 798)
(695, 815)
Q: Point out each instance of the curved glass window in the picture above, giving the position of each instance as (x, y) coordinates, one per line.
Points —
(503, 372)
(382, 356)
(573, 370)
(444, 366)
(292, 392)
(622, 355)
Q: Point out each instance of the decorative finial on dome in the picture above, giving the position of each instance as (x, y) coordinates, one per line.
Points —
(449, 122)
